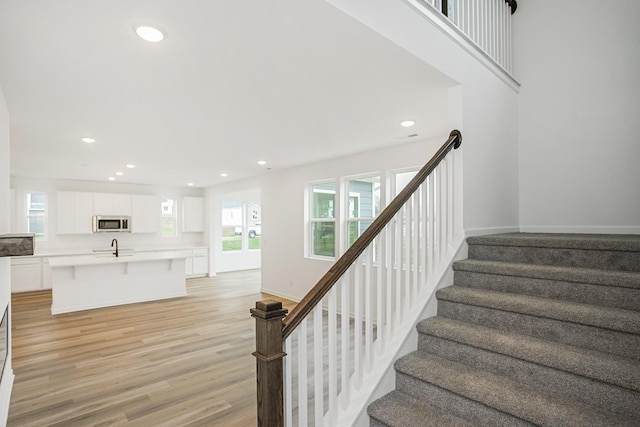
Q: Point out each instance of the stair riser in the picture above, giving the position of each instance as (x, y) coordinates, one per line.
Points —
(587, 391)
(456, 405)
(607, 260)
(609, 296)
(620, 343)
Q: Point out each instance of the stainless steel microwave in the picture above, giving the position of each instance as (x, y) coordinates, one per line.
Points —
(103, 223)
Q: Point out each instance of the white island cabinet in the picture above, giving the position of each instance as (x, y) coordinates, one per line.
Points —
(86, 282)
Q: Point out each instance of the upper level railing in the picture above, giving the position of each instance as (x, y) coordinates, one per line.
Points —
(338, 335)
(487, 23)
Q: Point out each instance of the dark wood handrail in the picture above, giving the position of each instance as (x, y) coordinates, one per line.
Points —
(324, 285)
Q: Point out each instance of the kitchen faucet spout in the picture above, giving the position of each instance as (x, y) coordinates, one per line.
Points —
(116, 243)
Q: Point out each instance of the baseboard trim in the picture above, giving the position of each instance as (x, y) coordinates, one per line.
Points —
(602, 229)
(470, 232)
(279, 294)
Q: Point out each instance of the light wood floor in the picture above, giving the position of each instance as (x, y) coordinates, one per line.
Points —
(179, 362)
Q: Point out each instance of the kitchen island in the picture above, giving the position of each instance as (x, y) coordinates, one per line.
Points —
(104, 280)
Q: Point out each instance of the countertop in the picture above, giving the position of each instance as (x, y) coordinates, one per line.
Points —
(80, 260)
(51, 253)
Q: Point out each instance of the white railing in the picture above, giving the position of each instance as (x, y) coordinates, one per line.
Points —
(487, 23)
(338, 354)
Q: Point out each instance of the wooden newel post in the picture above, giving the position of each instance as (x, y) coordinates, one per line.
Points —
(269, 368)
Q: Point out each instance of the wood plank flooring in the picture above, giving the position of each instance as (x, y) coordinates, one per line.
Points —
(179, 362)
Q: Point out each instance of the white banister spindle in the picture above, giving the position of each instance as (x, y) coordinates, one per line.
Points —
(332, 345)
(406, 258)
(357, 340)
(443, 207)
(368, 292)
(288, 383)
(318, 371)
(380, 320)
(345, 338)
(509, 42)
(303, 376)
(398, 246)
(415, 227)
(450, 198)
(388, 266)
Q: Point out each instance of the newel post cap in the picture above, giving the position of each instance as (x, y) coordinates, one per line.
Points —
(268, 309)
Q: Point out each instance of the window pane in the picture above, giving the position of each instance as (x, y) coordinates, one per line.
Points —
(168, 218)
(323, 238)
(364, 197)
(36, 225)
(36, 214)
(232, 226)
(402, 179)
(323, 200)
(356, 228)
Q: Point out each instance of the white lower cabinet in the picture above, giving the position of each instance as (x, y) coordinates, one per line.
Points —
(197, 265)
(26, 274)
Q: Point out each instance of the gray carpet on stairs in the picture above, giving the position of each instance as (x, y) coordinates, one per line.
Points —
(537, 329)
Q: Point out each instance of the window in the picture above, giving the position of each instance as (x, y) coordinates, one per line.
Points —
(236, 225)
(364, 205)
(322, 219)
(232, 226)
(37, 214)
(168, 218)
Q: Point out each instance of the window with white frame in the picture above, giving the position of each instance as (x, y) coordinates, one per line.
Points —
(37, 215)
(169, 218)
(322, 221)
(363, 203)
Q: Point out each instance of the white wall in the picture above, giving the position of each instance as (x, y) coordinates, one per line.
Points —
(579, 65)
(61, 243)
(489, 118)
(5, 263)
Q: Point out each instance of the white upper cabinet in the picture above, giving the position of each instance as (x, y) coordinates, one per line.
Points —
(145, 214)
(74, 212)
(111, 204)
(192, 214)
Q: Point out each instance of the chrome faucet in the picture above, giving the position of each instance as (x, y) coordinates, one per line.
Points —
(116, 242)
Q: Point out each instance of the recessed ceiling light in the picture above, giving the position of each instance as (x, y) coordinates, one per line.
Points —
(130, 166)
(111, 178)
(149, 34)
(190, 184)
(119, 173)
(407, 123)
(262, 162)
(224, 175)
(88, 140)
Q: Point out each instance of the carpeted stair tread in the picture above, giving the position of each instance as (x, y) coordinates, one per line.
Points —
(605, 367)
(607, 318)
(625, 279)
(498, 392)
(596, 242)
(398, 409)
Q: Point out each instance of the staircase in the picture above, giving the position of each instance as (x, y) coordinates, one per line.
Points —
(538, 329)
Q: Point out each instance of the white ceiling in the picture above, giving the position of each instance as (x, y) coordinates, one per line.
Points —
(286, 81)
